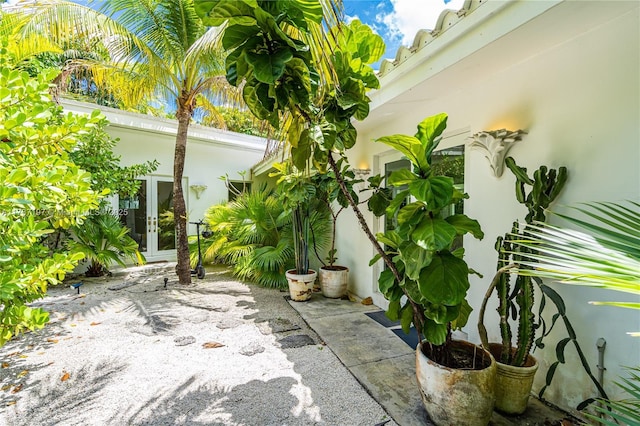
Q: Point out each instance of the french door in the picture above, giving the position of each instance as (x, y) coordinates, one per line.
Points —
(149, 217)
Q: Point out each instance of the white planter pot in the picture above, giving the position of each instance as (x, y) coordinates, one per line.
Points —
(333, 282)
(301, 286)
(457, 397)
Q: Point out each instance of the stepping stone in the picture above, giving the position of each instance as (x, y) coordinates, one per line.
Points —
(252, 349)
(278, 325)
(228, 323)
(184, 340)
(296, 341)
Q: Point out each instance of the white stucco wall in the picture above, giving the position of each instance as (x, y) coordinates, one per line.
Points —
(211, 153)
(577, 96)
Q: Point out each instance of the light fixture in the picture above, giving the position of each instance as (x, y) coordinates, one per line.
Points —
(496, 144)
(362, 173)
(198, 189)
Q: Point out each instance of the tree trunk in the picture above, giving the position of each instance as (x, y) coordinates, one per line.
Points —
(179, 205)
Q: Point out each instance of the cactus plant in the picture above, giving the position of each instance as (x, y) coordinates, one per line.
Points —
(545, 186)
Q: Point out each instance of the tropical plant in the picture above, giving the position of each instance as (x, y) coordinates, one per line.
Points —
(253, 234)
(329, 193)
(602, 253)
(433, 274)
(94, 154)
(104, 241)
(158, 50)
(518, 303)
(42, 191)
(297, 192)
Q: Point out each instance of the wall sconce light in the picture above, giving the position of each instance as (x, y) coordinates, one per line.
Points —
(198, 189)
(495, 145)
(362, 173)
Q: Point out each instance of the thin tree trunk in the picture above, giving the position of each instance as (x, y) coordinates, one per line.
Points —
(417, 309)
(179, 205)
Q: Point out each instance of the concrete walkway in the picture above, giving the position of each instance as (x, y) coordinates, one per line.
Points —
(385, 365)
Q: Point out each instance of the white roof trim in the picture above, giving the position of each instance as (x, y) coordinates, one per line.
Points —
(148, 123)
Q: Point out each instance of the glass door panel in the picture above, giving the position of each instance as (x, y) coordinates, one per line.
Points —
(166, 234)
(133, 215)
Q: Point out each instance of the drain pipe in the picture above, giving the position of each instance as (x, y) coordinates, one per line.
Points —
(601, 344)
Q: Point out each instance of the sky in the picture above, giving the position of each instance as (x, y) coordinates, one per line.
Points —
(398, 21)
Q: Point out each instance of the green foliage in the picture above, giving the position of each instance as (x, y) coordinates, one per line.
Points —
(433, 276)
(545, 186)
(626, 411)
(103, 241)
(94, 154)
(253, 233)
(43, 191)
(329, 193)
(239, 121)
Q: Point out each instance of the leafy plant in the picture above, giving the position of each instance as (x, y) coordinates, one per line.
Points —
(603, 253)
(104, 241)
(329, 193)
(253, 234)
(42, 191)
(518, 303)
(433, 275)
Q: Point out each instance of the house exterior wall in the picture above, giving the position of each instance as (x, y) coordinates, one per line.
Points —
(577, 96)
(211, 153)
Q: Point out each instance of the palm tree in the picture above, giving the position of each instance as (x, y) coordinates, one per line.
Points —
(158, 51)
(603, 253)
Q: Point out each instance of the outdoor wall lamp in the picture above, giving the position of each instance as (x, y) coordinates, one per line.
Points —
(362, 173)
(495, 145)
(198, 189)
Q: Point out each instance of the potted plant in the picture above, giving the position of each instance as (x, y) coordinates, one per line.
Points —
(516, 366)
(603, 253)
(333, 278)
(297, 192)
(456, 378)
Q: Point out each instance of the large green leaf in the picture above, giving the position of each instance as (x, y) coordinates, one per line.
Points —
(464, 224)
(268, 67)
(216, 12)
(401, 177)
(410, 146)
(435, 333)
(433, 234)
(436, 192)
(445, 280)
(386, 281)
(236, 35)
(429, 130)
(301, 153)
(415, 258)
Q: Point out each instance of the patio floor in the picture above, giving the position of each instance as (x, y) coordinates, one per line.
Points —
(385, 365)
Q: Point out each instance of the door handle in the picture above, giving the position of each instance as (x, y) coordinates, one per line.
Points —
(155, 225)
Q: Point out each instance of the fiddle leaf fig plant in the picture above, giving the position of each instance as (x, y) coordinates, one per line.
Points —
(433, 274)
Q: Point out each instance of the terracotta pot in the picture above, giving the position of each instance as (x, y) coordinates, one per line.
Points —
(457, 397)
(513, 384)
(334, 281)
(301, 286)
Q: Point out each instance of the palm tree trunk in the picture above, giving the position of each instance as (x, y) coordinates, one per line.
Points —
(179, 205)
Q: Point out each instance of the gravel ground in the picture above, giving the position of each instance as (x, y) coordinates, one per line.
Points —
(128, 351)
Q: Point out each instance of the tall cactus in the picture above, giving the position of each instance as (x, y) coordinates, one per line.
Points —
(545, 186)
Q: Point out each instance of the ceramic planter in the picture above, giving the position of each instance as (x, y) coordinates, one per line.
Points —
(301, 286)
(334, 281)
(513, 384)
(457, 397)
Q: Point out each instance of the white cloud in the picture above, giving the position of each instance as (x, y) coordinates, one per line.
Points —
(409, 16)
